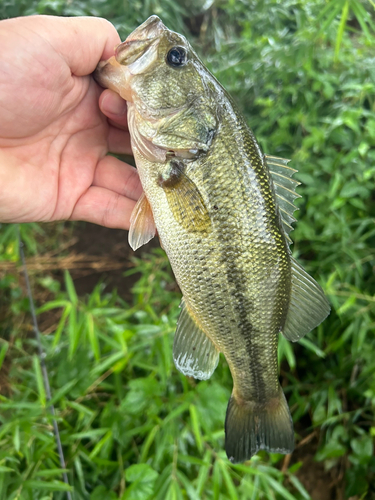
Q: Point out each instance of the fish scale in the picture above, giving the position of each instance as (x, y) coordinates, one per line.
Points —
(222, 211)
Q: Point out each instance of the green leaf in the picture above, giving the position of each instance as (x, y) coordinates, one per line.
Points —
(107, 363)
(90, 325)
(312, 347)
(74, 332)
(5, 469)
(340, 32)
(143, 478)
(72, 294)
(299, 487)
(3, 353)
(44, 485)
(228, 481)
(141, 472)
(101, 493)
(196, 427)
(280, 489)
(332, 449)
(363, 446)
(50, 472)
(148, 442)
(62, 321)
(60, 393)
(39, 381)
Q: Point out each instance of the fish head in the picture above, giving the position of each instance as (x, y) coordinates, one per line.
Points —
(157, 70)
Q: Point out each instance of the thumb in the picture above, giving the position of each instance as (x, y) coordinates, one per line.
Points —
(81, 41)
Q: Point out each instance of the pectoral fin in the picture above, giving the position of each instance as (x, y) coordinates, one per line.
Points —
(308, 305)
(184, 199)
(142, 224)
(194, 353)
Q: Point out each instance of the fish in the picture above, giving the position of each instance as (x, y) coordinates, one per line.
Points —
(223, 212)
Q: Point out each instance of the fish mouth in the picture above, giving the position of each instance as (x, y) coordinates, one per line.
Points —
(132, 57)
(141, 41)
(151, 28)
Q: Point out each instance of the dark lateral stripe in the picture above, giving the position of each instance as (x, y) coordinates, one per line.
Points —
(236, 278)
(243, 307)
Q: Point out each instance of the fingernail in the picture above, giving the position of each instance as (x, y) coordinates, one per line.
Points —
(113, 104)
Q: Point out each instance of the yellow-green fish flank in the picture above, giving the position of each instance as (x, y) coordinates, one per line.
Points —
(223, 212)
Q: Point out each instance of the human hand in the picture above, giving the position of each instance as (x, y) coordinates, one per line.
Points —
(53, 137)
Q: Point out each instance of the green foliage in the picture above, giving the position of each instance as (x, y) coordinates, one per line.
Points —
(131, 425)
(134, 428)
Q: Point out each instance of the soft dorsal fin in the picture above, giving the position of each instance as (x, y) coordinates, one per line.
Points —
(285, 190)
(194, 353)
(142, 224)
(308, 305)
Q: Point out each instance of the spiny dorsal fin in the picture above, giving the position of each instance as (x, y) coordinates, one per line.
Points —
(285, 190)
(194, 353)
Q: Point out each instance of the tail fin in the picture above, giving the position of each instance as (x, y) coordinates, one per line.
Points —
(252, 426)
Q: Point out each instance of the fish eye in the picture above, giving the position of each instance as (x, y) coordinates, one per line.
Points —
(177, 57)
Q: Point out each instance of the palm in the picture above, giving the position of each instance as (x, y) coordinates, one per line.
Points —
(53, 134)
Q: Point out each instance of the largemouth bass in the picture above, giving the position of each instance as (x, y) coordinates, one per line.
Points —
(223, 211)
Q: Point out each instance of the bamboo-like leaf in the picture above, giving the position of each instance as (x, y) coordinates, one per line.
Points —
(286, 349)
(3, 353)
(5, 469)
(106, 363)
(228, 481)
(60, 326)
(148, 442)
(190, 490)
(196, 427)
(340, 31)
(74, 333)
(16, 438)
(93, 339)
(216, 480)
(46, 485)
(310, 345)
(79, 470)
(52, 304)
(280, 489)
(363, 18)
(58, 394)
(50, 472)
(100, 444)
(70, 288)
(333, 8)
(203, 473)
(39, 381)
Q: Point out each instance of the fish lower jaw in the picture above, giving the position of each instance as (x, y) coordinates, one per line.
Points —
(112, 75)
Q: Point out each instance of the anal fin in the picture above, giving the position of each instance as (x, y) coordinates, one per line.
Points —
(194, 353)
(308, 305)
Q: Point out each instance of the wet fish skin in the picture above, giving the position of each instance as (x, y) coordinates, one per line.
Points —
(209, 191)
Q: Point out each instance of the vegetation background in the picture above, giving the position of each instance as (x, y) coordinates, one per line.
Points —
(132, 427)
